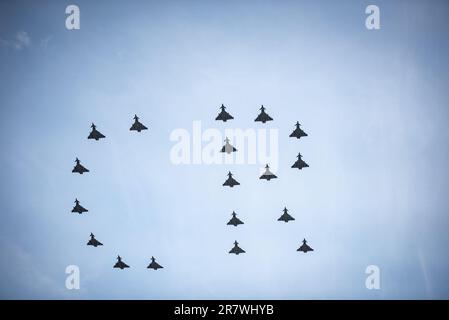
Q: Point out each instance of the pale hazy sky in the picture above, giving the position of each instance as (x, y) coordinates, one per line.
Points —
(374, 103)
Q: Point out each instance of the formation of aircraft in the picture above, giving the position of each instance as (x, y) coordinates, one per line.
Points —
(227, 148)
(97, 135)
(78, 208)
(267, 174)
(121, 265)
(262, 117)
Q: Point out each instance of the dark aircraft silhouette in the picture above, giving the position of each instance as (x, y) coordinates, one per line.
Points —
(263, 117)
(94, 242)
(154, 265)
(78, 208)
(120, 264)
(237, 250)
(223, 115)
(95, 134)
(79, 168)
(285, 216)
(137, 126)
(228, 148)
(230, 181)
(298, 133)
(234, 220)
(300, 163)
(304, 247)
(267, 175)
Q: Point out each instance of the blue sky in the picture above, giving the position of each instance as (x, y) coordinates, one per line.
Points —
(374, 103)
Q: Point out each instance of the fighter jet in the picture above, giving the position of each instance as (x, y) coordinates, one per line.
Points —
(300, 163)
(95, 134)
(230, 181)
(154, 265)
(237, 250)
(298, 133)
(267, 175)
(79, 168)
(304, 247)
(263, 117)
(223, 115)
(228, 148)
(120, 264)
(285, 216)
(137, 126)
(78, 208)
(234, 220)
(94, 242)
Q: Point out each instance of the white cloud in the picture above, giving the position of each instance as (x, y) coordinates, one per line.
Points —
(44, 42)
(20, 41)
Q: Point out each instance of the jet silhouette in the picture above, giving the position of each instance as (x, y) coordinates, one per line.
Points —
(230, 181)
(304, 247)
(78, 208)
(228, 148)
(154, 265)
(263, 117)
(234, 220)
(285, 216)
(300, 163)
(120, 264)
(298, 133)
(137, 126)
(95, 134)
(223, 115)
(237, 250)
(79, 168)
(267, 175)
(94, 242)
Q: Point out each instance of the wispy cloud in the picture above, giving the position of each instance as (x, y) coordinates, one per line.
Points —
(44, 42)
(25, 278)
(20, 41)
